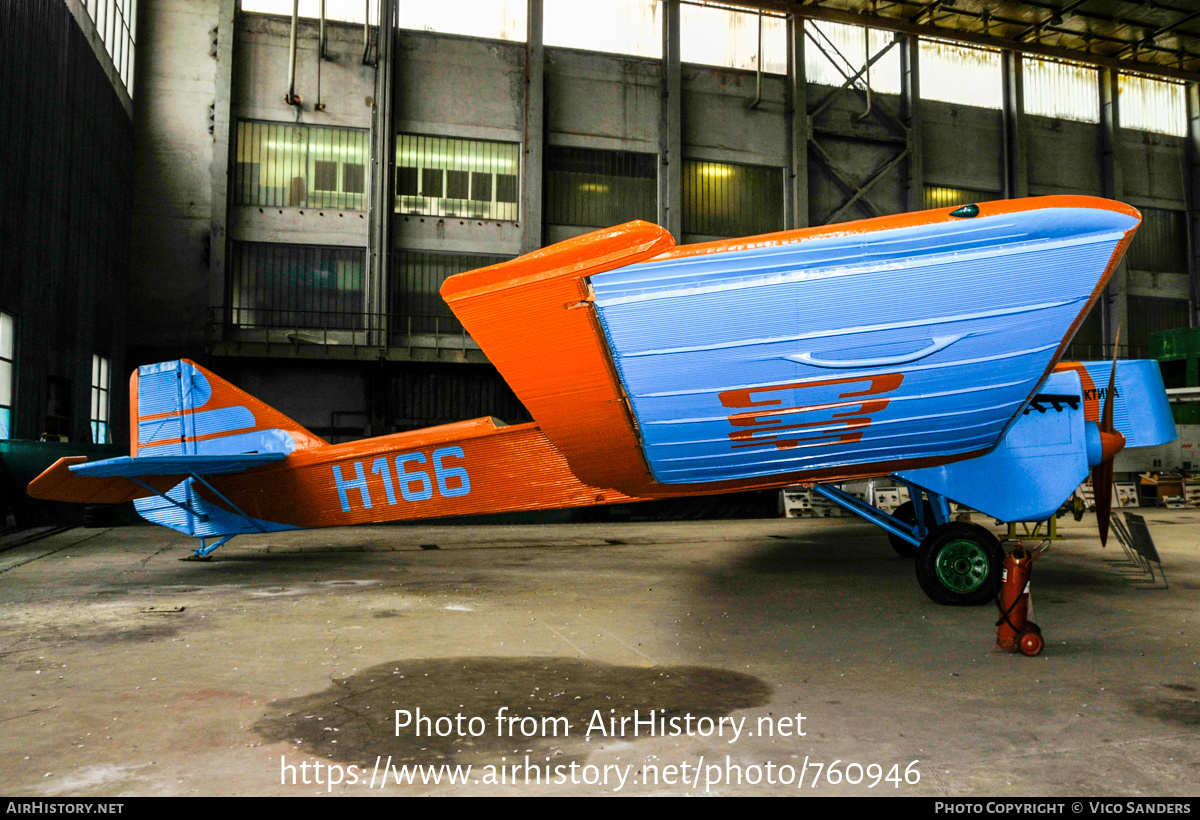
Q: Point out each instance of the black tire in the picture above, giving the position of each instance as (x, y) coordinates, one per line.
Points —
(907, 513)
(959, 565)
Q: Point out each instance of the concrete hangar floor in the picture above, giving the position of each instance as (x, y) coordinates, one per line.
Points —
(278, 668)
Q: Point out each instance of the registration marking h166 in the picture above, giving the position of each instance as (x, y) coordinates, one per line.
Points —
(412, 478)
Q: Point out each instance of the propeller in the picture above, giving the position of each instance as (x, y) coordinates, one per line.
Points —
(1111, 443)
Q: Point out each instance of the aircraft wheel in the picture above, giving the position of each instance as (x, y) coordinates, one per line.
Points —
(959, 564)
(906, 512)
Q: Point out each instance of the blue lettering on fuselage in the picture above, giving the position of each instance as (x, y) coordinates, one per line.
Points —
(359, 482)
(410, 474)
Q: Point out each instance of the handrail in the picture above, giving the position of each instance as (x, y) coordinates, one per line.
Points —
(332, 328)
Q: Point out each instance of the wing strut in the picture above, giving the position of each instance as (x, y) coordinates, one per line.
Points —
(232, 506)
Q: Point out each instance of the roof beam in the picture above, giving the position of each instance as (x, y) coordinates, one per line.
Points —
(1159, 32)
(905, 26)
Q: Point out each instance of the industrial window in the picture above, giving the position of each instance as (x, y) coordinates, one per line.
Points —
(490, 19)
(424, 396)
(835, 51)
(722, 199)
(101, 385)
(941, 196)
(597, 189)
(115, 22)
(1161, 242)
(1066, 91)
(715, 35)
(297, 286)
(960, 74)
(345, 11)
(1147, 104)
(300, 166)
(440, 176)
(615, 26)
(7, 354)
(414, 303)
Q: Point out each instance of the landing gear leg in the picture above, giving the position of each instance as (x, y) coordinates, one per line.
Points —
(957, 563)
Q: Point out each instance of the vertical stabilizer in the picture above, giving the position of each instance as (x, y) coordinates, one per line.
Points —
(179, 408)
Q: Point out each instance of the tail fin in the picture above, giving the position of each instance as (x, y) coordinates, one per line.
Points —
(179, 408)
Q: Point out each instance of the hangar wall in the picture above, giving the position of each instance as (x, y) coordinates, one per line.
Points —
(66, 182)
(224, 251)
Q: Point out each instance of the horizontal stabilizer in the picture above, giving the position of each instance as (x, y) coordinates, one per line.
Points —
(58, 483)
(128, 467)
(116, 480)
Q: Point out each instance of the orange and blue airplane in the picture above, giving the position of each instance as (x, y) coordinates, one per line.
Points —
(920, 346)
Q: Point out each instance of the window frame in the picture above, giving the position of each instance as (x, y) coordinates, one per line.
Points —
(100, 414)
(1093, 114)
(422, 204)
(996, 91)
(1179, 128)
(689, 202)
(559, 204)
(248, 194)
(8, 341)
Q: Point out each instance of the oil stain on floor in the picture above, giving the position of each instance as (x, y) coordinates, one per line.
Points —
(354, 721)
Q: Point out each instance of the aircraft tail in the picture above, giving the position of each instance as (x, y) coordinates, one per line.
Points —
(179, 408)
(184, 421)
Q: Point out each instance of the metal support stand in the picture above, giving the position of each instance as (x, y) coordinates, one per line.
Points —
(1051, 533)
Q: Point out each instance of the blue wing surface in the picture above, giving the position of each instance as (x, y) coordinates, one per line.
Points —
(899, 344)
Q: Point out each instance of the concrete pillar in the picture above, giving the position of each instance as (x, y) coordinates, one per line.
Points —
(670, 175)
(910, 113)
(535, 131)
(383, 160)
(1016, 165)
(1116, 307)
(796, 205)
(1193, 200)
(219, 173)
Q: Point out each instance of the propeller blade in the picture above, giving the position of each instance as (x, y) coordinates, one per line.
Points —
(1106, 418)
(1113, 442)
(1102, 489)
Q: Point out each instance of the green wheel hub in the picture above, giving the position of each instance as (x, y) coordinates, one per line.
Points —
(963, 566)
